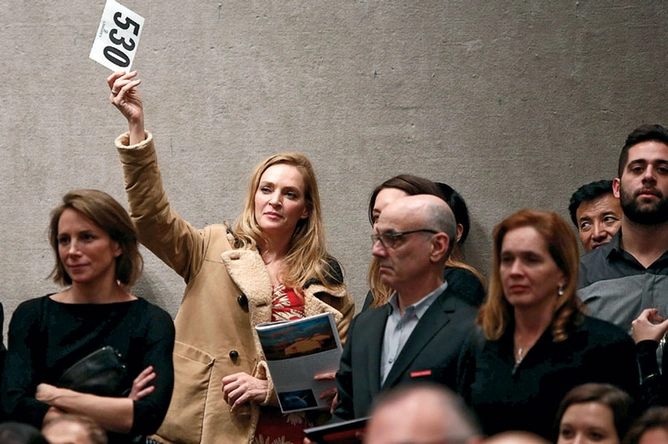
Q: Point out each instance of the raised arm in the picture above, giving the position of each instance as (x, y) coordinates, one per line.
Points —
(160, 228)
(125, 96)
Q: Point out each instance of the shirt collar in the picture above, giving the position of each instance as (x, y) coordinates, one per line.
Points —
(613, 248)
(420, 307)
(614, 251)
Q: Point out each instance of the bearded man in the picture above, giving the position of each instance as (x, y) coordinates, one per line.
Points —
(629, 274)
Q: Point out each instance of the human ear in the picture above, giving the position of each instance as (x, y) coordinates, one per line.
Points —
(616, 184)
(117, 249)
(306, 213)
(439, 246)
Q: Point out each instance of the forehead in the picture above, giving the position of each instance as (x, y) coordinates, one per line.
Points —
(412, 422)
(649, 151)
(524, 239)
(399, 217)
(72, 217)
(388, 195)
(654, 435)
(601, 204)
(589, 410)
(66, 432)
(284, 174)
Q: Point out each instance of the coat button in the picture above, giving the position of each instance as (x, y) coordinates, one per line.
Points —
(242, 300)
(234, 354)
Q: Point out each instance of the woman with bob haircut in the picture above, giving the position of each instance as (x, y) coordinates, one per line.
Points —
(463, 279)
(270, 265)
(594, 413)
(97, 258)
(534, 343)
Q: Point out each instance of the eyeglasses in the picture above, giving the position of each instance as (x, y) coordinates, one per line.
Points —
(390, 238)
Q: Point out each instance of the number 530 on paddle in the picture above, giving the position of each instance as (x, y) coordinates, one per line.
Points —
(117, 37)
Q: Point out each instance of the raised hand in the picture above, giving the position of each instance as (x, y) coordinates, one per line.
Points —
(125, 96)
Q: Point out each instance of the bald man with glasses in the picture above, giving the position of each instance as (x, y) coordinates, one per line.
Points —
(417, 335)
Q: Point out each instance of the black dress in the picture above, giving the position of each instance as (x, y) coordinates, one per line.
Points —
(46, 337)
(506, 396)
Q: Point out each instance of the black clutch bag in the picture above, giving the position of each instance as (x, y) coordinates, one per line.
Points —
(100, 373)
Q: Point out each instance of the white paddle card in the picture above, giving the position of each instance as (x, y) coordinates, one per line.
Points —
(117, 37)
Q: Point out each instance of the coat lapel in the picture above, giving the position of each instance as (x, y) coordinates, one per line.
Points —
(374, 331)
(249, 273)
(433, 321)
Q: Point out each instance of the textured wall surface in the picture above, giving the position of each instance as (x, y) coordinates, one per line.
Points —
(513, 103)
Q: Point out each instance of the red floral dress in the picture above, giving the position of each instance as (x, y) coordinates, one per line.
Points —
(275, 427)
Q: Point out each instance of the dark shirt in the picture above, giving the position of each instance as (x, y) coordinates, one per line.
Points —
(527, 396)
(616, 287)
(461, 281)
(47, 337)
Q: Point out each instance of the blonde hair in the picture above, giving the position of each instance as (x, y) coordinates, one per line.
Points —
(307, 257)
(496, 314)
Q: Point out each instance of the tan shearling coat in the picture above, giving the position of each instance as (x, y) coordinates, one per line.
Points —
(228, 292)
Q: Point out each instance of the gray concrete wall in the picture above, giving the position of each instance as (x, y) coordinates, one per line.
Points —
(514, 103)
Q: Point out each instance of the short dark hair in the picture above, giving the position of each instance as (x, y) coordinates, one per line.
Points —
(458, 206)
(643, 133)
(586, 193)
(20, 433)
(104, 211)
(653, 418)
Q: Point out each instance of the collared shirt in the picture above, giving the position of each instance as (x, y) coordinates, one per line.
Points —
(616, 287)
(398, 328)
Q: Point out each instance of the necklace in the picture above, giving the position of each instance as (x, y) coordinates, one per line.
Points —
(522, 350)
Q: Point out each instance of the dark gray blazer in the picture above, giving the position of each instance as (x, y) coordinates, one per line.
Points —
(430, 354)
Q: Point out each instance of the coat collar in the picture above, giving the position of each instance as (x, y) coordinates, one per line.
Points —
(249, 273)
